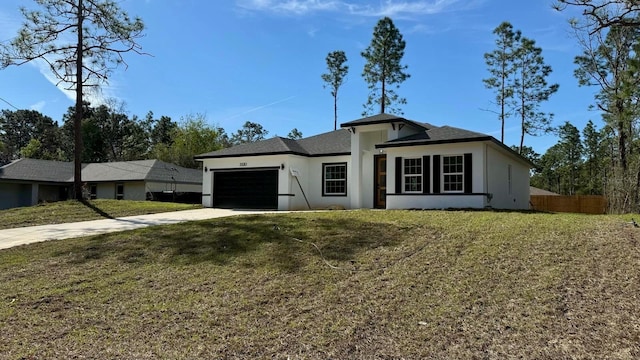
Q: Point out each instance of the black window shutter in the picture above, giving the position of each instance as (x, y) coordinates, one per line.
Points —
(426, 174)
(468, 175)
(398, 175)
(436, 174)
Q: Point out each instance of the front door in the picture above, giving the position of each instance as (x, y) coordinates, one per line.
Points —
(380, 182)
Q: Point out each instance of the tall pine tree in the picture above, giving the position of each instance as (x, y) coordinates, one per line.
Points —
(82, 41)
(531, 89)
(383, 69)
(500, 63)
(337, 71)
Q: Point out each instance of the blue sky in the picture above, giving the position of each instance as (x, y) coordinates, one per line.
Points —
(261, 61)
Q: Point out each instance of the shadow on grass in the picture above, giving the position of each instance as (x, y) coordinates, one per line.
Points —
(96, 209)
(250, 241)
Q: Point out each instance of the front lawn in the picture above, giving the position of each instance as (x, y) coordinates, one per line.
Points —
(333, 285)
(70, 211)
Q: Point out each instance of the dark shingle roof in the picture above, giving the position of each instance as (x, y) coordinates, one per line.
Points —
(62, 172)
(331, 143)
(37, 170)
(385, 119)
(437, 135)
(276, 145)
(336, 142)
(339, 142)
(375, 119)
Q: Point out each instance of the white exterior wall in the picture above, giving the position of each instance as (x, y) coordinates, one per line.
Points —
(290, 194)
(490, 185)
(106, 190)
(207, 184)
(363, 150)
(505, 196)
(165, 186)
(285, 188)
(296, 198)
(315, 182)
(133, 190)
(438, 201)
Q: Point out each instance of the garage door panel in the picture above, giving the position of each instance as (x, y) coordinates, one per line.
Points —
(257, 189)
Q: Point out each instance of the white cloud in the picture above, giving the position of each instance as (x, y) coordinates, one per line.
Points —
(312, 32)
(9, 26)
(95, 95)
(38, 106)
(389, 8)
(296, 7)
(249, 110)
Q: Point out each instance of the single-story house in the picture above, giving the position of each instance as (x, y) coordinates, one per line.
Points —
(383, 161)
(26, 182)
(534, 191)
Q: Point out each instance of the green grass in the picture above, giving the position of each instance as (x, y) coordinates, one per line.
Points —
(70, 211)
(380, 284)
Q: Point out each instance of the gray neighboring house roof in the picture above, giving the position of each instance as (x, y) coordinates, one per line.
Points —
(140, 170)
(62, 172)
(336, 142)
(537, 191)
(37, 170)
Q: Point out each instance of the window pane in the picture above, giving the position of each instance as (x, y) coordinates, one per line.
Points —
(453, 183)
(453, 173)
(412, 166)
(335, 179)
(413, 183)
(413, 175)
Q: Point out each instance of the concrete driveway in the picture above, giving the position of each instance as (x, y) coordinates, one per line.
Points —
(27, 235)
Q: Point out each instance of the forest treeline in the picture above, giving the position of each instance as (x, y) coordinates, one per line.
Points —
(113, 135)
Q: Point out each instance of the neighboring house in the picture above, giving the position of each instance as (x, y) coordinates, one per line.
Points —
(534, 191)
(382, 161)
(26, 182)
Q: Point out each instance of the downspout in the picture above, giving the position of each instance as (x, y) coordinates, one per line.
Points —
(295, 174)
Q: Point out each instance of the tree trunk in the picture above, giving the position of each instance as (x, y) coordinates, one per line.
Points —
(335, 110)
(382, 98)
(503, 94)
(383, 79)
(636, 195)
(77, 122)
(522, 105)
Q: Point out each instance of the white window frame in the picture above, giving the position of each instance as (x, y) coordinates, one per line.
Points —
(444, 174)
(417, 176)
(326, 181)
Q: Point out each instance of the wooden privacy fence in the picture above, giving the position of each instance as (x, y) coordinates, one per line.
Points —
(585, 204)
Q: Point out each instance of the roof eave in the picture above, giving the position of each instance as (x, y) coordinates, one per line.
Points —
(455, 141)
(430, 142)
(330, 154)
(204, 156)
(378, 122)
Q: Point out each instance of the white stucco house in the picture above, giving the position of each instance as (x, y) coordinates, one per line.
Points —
(383, 161)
